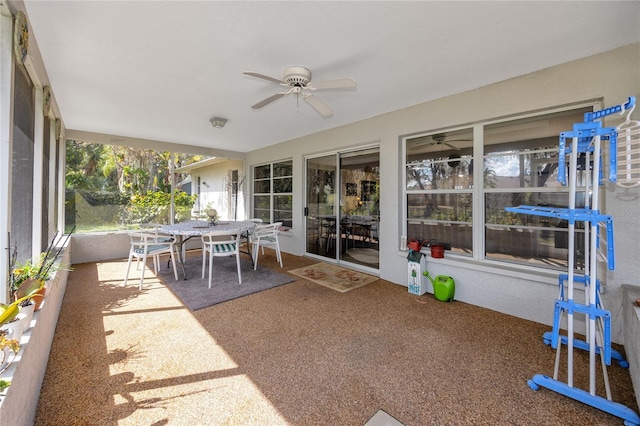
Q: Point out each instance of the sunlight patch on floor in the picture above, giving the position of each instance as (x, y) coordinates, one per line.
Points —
(159, 358)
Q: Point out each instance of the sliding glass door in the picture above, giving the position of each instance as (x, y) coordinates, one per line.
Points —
(320, 211)
(342, 207)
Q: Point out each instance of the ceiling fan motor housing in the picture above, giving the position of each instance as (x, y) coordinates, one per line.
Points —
(297, 76)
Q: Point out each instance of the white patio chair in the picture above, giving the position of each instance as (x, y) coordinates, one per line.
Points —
(155, 228)
(145, 245)
(220, 244)
(266, 235)
(247, 237)
(161, 237)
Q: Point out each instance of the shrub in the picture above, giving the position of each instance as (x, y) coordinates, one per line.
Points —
(155, 205)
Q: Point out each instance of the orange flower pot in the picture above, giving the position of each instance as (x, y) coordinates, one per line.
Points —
(38, 298)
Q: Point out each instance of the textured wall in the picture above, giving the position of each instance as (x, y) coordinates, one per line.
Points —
(19, 405)
(631, 313)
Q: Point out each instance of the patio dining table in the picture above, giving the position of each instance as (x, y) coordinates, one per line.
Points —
(183, 231)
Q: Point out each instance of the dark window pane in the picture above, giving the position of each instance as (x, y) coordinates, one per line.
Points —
(46, 147)
(495, 203)
(447, 207)
(533, 246)
(262, 202)
(283, 169)
(262, 214)
(282, 202)
(262, 172)
(282, 185)
(284, 217)
(459, 236)
(262, 187)
(23, 165)
(57, 182)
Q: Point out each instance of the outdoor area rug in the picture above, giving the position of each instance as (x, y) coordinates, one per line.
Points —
(195, 292)
(334, 277)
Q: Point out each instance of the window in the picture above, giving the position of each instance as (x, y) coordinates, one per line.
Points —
(22, 214)
(111, 187)
(519, 167)
(273, 192)
(46, 184)
(439, 187)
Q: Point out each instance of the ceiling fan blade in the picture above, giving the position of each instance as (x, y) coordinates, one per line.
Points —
(264, 77)
(270, 99)
(455, 148)
(341, 83)
(318, 105)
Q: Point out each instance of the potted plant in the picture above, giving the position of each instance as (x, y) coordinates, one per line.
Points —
(7, 345)
(213, 216)
(9, 337)
(28, 279)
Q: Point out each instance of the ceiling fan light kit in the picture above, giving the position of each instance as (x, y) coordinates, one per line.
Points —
(298, 81)
(297, 76)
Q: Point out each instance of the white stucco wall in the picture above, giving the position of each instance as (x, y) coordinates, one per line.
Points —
(631, 312)
(611, 77)
(215, 192)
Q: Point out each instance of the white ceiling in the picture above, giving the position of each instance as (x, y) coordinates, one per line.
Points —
(160, 70)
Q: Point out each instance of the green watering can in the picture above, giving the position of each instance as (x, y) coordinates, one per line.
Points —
(444, 287)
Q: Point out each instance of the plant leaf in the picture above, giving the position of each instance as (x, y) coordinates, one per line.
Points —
(8, 312)
(27, 289)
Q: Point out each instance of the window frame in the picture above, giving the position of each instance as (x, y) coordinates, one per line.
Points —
(479, 192)
(463, 226)
(271, 194)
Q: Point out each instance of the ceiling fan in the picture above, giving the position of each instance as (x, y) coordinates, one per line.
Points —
(298, 82)
(439, 139)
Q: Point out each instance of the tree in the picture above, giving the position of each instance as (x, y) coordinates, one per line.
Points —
(112, 174)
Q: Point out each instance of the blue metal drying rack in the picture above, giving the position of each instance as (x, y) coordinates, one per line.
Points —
(585, 140)
(553, 337)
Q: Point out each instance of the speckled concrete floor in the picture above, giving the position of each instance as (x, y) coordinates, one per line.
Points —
(299, 354)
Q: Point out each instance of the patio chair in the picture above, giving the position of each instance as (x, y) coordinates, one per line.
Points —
(328, 233)
(266, 235)
(161, 237)
(155, 229)
(246, 237)
(220, 244)
(145, 245)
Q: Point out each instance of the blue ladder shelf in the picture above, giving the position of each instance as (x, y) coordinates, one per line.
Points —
(585, 138)
(572, 216)
(593, 312)
(585, 132)
(547, 338)
(622, 411)
(551, 337)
